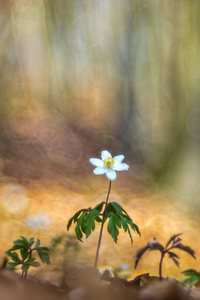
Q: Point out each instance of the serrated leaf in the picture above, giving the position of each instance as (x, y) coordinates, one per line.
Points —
(125, 220)
(82, 222)
(134, 226)
(90, 223)
(92, 216)
(126, 228)
(70, 223)
(113, 225)
(81, 225)
(74, 218)
(78, 232)
(116, 207)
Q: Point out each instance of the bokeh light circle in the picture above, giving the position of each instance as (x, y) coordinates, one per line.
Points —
(14, 198)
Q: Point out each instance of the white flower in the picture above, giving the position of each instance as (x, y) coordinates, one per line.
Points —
(108, 165)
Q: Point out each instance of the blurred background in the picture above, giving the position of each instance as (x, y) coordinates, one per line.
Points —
(78, 77)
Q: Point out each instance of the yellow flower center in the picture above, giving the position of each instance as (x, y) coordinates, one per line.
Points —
(109, 162)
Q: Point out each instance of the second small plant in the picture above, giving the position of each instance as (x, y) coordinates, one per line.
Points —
(23, 253)
(174, 243)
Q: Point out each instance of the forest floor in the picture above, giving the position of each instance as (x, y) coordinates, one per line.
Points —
(86, 283)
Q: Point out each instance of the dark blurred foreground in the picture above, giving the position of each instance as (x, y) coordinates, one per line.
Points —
(84, 283)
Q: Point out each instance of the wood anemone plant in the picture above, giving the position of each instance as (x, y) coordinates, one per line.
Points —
(111, 213)
(174, 243)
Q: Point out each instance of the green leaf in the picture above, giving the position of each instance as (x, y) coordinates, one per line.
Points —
(14, 256)
(24, 253)
(134, 226)
(37, 243)
(113, 225)
(35, 264)
(20, 243)
(44, 249)
(191, 272)
(192, 275)
(117, 207)
(82, 222)
(99, 206)
(74, 218)
(31, 241)
(85, 221)
(44, 255)
(81, 225)
(15, 247)
(190, 281)
(11, 265)
(110, 208)
(126, 228)
(126, 222)
(90, 222)
(78, 232)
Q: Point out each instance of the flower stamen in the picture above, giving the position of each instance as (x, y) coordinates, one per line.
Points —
(108, 162)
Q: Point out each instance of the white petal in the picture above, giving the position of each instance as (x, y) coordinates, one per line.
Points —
(99, 171)
(118, 167)
(119, 158)
(96, 162)
(111, 174)
(126, 167)
(105, 154)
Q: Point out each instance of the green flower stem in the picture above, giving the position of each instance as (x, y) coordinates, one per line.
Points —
(102, 225)
(29, 256)
(25, 273)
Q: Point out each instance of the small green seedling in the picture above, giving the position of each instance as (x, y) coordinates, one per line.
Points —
(22, 254)
(111, 212)
(64, 248)
(192, 277)
(174, 243)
